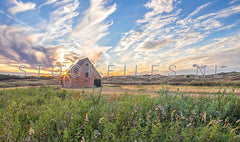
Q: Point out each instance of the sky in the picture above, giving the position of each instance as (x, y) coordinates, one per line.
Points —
(184, 33)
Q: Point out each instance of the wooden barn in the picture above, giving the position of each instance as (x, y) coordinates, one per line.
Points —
(82, 74)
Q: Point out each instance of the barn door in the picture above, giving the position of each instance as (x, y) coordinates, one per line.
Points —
(97, 82)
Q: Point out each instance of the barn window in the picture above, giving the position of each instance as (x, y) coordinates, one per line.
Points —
(86, 74)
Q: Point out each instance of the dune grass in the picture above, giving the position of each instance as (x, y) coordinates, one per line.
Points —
(53, 114)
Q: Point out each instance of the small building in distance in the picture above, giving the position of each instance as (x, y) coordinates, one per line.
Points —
(82, 74)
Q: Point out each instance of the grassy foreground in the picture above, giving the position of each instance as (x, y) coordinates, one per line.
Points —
(53, 114)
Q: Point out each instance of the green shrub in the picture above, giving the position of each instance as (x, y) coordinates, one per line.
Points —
(53, 114)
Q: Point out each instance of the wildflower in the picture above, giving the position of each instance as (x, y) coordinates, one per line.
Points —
(96, 134)
(238, 136)
(204, 117)
(234, 129)
(100, 120)
(113, 135)
(86, 117)
(189, 124)
(135, 108)
(161, 108)
(172, 114)
(193, 112)
(31, 131)
(83, 139)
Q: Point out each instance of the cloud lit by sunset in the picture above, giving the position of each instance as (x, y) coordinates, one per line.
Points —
(108, 32)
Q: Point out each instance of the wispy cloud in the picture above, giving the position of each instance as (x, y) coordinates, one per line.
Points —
(163, 34)
(17, 46)
(48, 2)
(60, 23)
(91, 29)
(197, 10)
(19, 6)
(223, 51)
(155, 44)
(234, 1)
(57, 40)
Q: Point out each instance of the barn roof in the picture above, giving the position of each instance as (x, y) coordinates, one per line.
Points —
(80, 62)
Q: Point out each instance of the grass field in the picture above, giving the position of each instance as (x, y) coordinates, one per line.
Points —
(52, 114)
(27, 82)
(113, 90)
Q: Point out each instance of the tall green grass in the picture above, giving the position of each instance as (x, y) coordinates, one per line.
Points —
(52, 114)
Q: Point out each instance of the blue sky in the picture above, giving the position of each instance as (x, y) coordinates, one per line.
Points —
(143, 33)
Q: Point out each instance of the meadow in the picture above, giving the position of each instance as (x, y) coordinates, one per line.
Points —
(53, 114)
